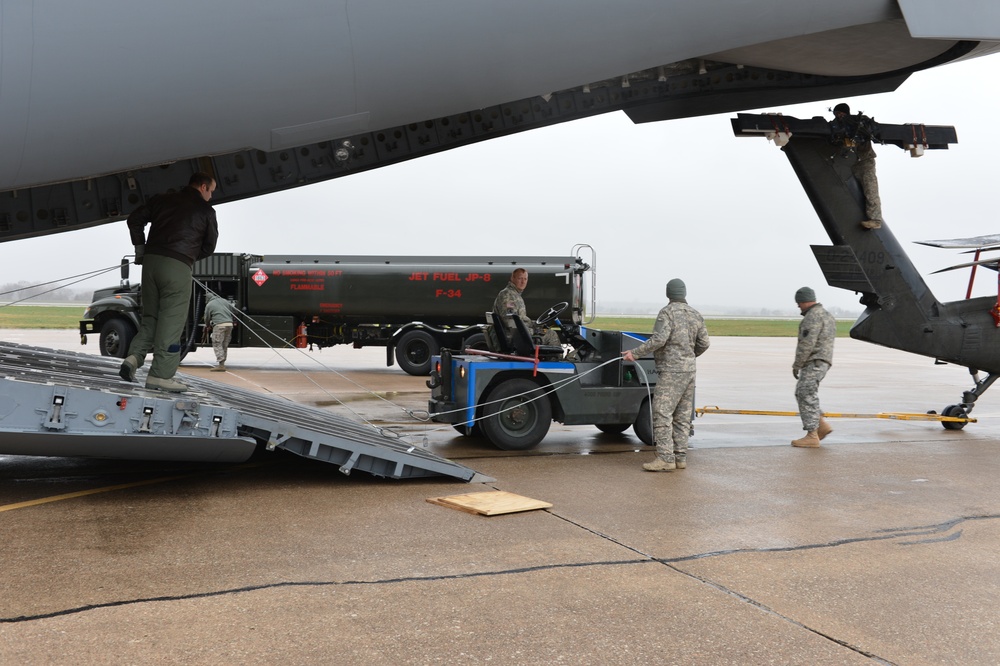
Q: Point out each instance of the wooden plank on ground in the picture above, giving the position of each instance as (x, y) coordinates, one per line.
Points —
(490, 503)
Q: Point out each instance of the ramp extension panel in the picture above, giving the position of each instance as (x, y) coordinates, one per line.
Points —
(59, 403)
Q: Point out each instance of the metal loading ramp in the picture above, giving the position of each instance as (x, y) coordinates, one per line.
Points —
(59, 403)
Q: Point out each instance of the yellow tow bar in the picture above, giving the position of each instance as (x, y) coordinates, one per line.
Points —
(895, 416)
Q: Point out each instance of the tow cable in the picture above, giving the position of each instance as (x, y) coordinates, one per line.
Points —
(892, 416)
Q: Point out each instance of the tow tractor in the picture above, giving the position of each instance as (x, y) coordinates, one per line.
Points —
(511, 392)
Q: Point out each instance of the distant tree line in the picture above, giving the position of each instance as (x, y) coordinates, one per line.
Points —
(19, 291)
(643, 309)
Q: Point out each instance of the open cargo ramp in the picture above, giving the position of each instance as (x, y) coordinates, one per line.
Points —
(59, 403)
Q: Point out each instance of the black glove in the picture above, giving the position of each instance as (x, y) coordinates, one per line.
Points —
(140, 250)
(795, 373)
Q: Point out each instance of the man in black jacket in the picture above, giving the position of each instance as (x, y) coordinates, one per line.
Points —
(182, 230)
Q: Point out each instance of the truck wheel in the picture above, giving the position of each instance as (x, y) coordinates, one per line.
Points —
(643, 426)
(116, 336)
(515, 422)
(613, 428)
(414, 351)
(475, 341)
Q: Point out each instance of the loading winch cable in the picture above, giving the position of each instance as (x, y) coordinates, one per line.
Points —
(82, 278)
(425, 417)
(245, 318)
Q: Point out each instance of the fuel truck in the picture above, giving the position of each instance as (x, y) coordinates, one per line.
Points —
(412, 306)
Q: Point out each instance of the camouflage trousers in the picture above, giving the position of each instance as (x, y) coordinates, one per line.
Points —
(548, 336)
(673, 405)
(807, 393)
(221, 335)
(864, 171)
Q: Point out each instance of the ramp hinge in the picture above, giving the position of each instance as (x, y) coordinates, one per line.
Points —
(146, 420)
(55, 421)
(349, 465)
(275, 441)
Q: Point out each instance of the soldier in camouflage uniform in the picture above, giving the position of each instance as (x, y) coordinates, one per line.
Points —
(509, 304)
(813, 358)
(679, 336)
(219, 316)
(864, 168)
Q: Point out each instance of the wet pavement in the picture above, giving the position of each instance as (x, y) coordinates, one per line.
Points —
(879, 547)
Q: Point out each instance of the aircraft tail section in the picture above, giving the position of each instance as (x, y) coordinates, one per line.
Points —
(868, 261)
(901, 312)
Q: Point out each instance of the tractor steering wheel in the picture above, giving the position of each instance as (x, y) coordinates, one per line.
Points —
(550, 315)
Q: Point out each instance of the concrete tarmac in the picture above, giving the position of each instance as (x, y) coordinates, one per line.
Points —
(880, 547)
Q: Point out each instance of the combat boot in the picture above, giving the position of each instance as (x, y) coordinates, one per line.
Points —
(160, 384)
(660, 465)
(824, 428)
(810, 441)
(681, 460)
(219, 368)
(128, 368)
(872, 224)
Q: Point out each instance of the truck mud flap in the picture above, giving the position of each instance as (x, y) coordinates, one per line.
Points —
(60, 403)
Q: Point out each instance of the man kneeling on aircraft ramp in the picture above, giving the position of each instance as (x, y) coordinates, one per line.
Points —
(813, 358)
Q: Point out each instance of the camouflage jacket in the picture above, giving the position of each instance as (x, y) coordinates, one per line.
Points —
(817, 331)
(679, 335)
(218, 311)
(509, 300)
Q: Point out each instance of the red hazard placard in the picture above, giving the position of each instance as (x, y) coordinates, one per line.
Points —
(260, 277)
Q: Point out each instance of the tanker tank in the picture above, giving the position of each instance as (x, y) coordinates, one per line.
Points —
(437, 291)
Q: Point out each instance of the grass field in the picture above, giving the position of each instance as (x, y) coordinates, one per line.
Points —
(68, 317)
(41, 316)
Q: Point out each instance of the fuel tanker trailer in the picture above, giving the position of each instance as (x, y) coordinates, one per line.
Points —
(412, 306)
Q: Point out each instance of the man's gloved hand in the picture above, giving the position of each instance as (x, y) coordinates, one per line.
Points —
(140, 250)
(795, 373)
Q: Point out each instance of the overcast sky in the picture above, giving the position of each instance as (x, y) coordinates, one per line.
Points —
(681, 198)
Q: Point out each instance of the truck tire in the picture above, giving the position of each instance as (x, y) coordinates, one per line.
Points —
(475, 341)
(116, 336)
(613, 428)
(515, 422)
(643, 426)
(414, 351)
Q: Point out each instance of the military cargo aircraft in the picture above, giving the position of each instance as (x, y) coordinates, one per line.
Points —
(103, 105)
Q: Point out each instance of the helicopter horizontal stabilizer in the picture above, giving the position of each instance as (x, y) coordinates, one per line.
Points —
(841, 268)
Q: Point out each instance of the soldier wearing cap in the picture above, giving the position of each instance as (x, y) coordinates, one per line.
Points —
(679, 336)
(813, 358)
